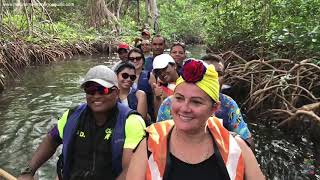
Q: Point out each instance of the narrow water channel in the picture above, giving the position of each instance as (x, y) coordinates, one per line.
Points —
(33, 103)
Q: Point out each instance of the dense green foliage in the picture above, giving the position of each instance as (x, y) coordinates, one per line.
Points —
(268, 28)
(65, 25)
(182, 21)
(272, 28)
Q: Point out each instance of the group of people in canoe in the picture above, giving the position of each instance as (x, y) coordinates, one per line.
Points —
(151, 116)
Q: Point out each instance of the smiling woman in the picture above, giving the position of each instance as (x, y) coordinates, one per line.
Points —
(129, 95)
(193, 145)
(144, 80)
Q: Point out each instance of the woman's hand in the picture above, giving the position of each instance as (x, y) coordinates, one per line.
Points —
(158, 92)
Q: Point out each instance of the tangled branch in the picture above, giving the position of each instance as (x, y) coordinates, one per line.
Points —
(286, 87)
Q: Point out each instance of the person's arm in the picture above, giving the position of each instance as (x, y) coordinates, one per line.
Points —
(45, 150)
(157, 97)
(250, 142)
(157, 93)
(126, 157)
(134, 133)
(142, 104)
(139, 162)
(236, 121)
(252, 170)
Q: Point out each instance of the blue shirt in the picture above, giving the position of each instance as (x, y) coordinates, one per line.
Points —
(229, 112)
(148, 64)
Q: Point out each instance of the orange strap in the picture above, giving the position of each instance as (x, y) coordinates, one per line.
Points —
(166, 90)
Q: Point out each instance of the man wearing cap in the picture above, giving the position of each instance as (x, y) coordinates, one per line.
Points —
(122, 51)
(98, 137)
(145, 34)
(165, 71)
(158, 45)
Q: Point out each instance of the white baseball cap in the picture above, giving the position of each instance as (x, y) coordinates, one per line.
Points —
(161, 61)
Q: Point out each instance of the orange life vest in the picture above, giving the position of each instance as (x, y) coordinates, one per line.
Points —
(227, 145)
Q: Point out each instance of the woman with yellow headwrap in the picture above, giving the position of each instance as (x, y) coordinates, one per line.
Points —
(193, 145)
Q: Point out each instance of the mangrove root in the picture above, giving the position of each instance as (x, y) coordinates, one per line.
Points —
(289, 88)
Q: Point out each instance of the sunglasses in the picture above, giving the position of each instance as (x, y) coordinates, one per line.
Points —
(126, 76)
(135, 58)
(92, 90)
(159, 72)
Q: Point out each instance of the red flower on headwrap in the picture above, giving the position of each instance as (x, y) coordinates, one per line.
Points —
(193, 71)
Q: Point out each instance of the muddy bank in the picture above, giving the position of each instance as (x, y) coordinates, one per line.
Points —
(15, 56)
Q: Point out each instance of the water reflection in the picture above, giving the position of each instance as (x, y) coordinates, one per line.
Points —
(31, 107)
(29, 110)
(282, 157)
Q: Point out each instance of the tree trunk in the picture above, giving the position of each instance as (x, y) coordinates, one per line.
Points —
(138, 12)
(126, 7)
(28, 18)
(44, 10)
(154, 15)
(1, 14)
(18, 7)
(119, 8)
(99, 15)
(148, 14)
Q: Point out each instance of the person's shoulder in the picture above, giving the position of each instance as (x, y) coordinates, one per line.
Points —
(167, 100)
(227, 99)
(149, 58)
(146, 56)
(145, 73)
(140, 94)
(133, 114)
(135, 123)
(70, 111)
(242, 143)
(224, 96)
(135, 118)
(160, 125)
(74, 108)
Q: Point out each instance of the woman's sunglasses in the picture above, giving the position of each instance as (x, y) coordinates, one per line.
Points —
(92, 90)
(135, 58)
(126, 76)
